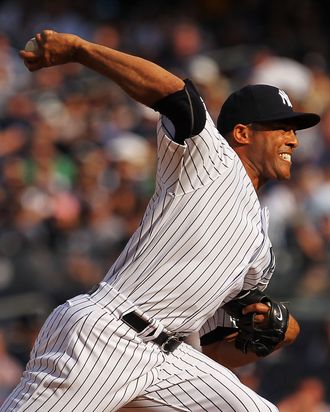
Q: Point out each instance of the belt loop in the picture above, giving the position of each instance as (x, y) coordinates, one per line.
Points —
(155, 334)
(166, 341)
(149, 330)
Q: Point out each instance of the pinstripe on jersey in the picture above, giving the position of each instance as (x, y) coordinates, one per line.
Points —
(86, 359)
(203, 236)
(193, 382)
(202, 239)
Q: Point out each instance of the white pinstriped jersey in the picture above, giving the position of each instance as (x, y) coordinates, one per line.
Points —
(203, 236)
(202, 239)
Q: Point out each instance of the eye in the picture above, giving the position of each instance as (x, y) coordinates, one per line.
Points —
(286, 127)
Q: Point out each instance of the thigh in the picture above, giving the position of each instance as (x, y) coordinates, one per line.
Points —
(190, 381)
(84, 359)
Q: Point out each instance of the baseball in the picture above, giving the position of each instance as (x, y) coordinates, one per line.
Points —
(31, 45)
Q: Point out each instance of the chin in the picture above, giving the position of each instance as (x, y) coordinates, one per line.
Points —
(284, 176)
(283, 172)
(278, 173)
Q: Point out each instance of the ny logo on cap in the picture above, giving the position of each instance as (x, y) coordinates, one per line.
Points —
(285, 98)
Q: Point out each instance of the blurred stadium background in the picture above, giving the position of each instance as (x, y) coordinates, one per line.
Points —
(77, 162)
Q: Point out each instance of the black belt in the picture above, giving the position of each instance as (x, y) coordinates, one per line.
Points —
(167, 342)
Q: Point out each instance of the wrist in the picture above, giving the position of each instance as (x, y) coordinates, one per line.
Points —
(79, 49)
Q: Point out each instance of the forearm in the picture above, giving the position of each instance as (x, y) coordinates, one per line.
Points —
(226, 354)
(143, 80)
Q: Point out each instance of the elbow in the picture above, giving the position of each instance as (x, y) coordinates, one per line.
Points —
(158, 90)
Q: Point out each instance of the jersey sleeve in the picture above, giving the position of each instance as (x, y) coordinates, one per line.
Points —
(185, 165)
(217, 328)
(263, 266)
(185, 110)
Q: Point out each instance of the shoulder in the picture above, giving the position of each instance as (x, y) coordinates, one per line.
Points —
(186, 110)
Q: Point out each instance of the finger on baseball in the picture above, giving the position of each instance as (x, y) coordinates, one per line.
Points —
(28, 55)
(33, 66)
(38, 40)
(43, 36)
(256, 307)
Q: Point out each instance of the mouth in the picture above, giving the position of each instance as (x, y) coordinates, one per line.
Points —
(286, 157)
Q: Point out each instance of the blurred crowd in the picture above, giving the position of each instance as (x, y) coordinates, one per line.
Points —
(77, 162)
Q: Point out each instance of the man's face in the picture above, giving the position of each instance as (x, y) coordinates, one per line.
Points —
(271, 149)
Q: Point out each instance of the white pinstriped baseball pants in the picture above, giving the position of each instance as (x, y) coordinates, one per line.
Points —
(86, 359)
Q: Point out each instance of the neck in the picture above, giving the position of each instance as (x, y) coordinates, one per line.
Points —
(254, 175)
(255, 179)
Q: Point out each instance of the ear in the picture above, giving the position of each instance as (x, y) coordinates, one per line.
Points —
(241, 134)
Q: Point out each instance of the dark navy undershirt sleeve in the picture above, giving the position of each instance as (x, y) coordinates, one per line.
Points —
(186, 111)
(216, 335)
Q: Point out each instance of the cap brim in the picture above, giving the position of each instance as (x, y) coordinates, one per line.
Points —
(297, 119)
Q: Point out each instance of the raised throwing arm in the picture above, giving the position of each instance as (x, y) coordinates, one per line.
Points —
(143, 80)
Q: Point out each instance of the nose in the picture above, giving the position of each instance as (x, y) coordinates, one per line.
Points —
(292, 139)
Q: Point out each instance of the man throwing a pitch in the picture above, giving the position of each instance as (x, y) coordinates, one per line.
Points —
(199, 260)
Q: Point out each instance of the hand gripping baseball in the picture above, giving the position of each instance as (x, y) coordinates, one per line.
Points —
(261, 328)
(52, 49)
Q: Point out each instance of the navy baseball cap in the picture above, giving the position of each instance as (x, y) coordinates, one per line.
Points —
(261, 103)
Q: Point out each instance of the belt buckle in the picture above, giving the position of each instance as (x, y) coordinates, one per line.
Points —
(170, 344)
